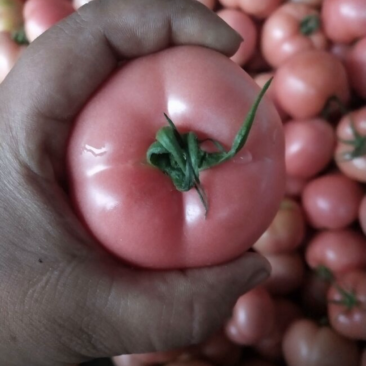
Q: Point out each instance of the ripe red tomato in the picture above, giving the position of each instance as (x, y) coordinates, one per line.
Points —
(331, 201)
(307, 344)
(286, 231)
(248, 324)
(350, 153)
(133, 208)
(244, 25)
(304, 83)
(39, 15)
(291, 29)
(355, 62)
(309, 146)
(338, 250)
(344, 20)
(314, 3)
(347, 305)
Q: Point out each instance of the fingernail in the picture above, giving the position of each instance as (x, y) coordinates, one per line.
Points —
(258, 278)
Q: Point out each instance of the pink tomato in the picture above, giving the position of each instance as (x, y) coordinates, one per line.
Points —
(131, 207)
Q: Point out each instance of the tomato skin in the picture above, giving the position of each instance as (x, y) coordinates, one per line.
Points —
(9, 54)
(328, 249)
(302, 91)
(39, 15)
(355, 62)
(314, 3)
(362, 214)
(354, 168)
(309, 146)
(287, 273)
(282, 38)
(350, 322)
(259, 9)
(286, 231)
(305, 344)
(331, 201)
(286, 312)
(248, 325)
(244, 25)
(344, 20)
(114, 185)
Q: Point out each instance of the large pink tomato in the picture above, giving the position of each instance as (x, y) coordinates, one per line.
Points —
(133, 208)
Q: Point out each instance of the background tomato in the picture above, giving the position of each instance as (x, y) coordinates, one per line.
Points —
(306, 343)
(355, 62)
(119, 195)
(306, 81)
(11, 15)
(248, 325)
(259, 9)
(291, 29)
(286, 231)
(347, 305)
(350, 153)
(9, 54)
(338, 250)
(244, 25)
(344, 20)
(309, 146)
(331, 201)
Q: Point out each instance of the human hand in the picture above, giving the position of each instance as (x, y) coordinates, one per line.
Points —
(63, 299)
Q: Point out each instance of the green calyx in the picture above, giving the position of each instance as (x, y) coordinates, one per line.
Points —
(181, 158)
(357, 143)
(20, 37)
(310, 24)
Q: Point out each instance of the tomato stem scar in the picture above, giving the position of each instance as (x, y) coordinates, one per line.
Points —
(181, 158)
(310, 24)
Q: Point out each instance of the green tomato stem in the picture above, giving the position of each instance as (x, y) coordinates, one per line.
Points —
(310, 24)
(181, 158)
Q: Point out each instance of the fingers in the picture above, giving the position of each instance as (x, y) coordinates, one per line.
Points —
(63, 67)
(153, 311)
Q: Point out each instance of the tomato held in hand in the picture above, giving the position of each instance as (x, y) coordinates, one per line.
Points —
(347, 305)
(132, 208)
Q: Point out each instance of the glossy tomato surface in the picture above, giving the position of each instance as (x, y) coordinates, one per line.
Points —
(347, 305)
(132, 208)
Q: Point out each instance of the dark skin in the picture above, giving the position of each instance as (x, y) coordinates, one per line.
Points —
(63, 299)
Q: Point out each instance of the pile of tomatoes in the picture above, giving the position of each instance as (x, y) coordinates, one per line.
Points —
(312, 309)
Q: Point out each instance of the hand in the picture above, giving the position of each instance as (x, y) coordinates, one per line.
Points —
(63, 299)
